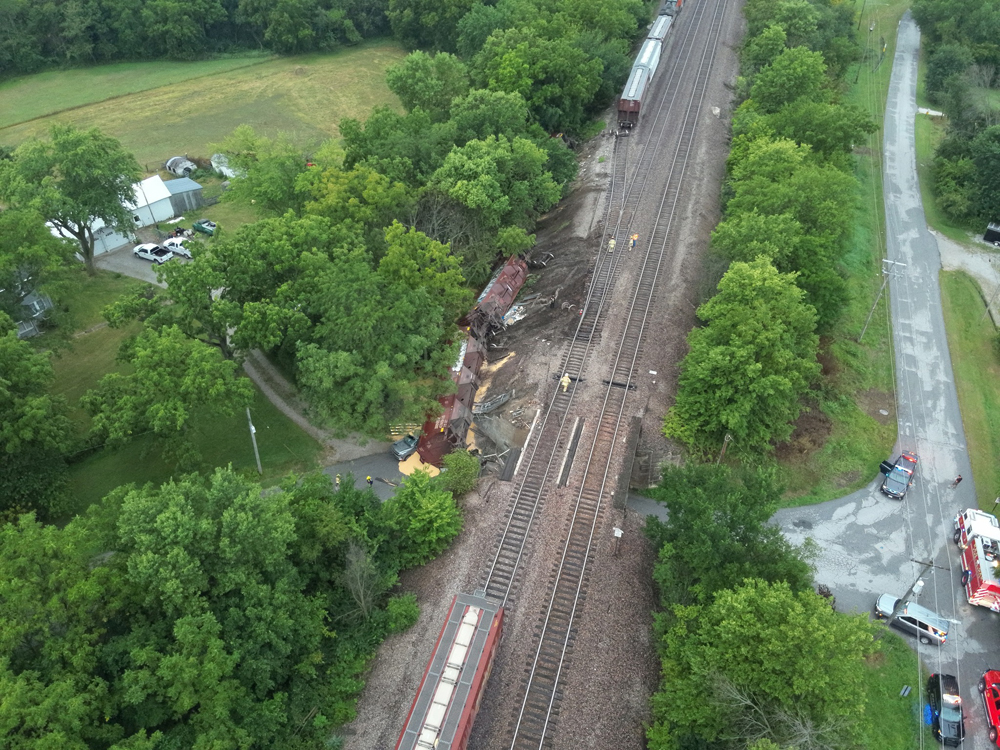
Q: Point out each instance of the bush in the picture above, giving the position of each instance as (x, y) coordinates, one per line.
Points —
(461, 473)
(403, 612)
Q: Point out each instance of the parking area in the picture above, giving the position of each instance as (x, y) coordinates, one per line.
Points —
(121, 260)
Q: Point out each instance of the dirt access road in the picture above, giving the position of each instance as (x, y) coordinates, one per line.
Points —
(614, 668)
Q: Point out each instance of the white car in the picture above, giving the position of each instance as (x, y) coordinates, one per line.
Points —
(151, 251)
(177, 247)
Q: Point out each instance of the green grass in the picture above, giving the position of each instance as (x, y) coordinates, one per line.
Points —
(894, 723)
(976, 364)
(284, 447)
(857, 379)
(60, 90)
(304, 97)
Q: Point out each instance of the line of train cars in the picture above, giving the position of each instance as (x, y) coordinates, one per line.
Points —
(644, 68)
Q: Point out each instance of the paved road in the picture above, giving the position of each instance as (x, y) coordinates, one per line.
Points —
(866, 540)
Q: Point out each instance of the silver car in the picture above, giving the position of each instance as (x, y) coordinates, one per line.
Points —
(928, 626)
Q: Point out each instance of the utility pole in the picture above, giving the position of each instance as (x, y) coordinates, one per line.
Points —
(915, 588)
(253, 437)
(725, 443)
(886, 274)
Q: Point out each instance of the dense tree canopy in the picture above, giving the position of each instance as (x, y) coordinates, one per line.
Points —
(749, 366)
(430, 82)
(83, 32)
(204, 613)
(34, 429)
(74, 180)
(31, 260)
(802, 680)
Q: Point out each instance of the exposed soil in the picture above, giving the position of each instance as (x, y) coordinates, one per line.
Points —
(613, 666)
(810, 433)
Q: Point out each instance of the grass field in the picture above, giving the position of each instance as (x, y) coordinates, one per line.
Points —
(972, 341)
(191, 106)
(858, 378)
(89, 356)
(61, 90)
(894, 722)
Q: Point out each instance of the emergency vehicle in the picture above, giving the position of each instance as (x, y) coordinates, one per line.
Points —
(978, 537)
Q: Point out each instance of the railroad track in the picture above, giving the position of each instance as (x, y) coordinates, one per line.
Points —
(542, 693)
(534, 720)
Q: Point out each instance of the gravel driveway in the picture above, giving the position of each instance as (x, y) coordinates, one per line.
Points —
(122, 261)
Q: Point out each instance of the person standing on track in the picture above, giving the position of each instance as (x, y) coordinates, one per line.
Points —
(635, 238)
(611, 245)
(565, 382)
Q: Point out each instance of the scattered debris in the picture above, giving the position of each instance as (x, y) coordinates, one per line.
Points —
(516, 313)
(494, 403)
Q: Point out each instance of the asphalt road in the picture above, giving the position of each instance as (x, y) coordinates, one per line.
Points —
(866, 541)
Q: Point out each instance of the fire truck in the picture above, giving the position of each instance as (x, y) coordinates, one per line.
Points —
(977, 535)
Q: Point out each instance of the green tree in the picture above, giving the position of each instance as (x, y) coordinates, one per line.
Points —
(34, 429)
(166, 21)
(57, 598)
(422, 519)
(796, 73)
(761, 50)
(945, 61)
(503, 182)
(430, 24)
(462, 472)
(749, 366)
(483, 113)
(404, 148)
(430, 82)
(804, 673)
(717, 533)
(222, 638)
(985, 153)
(831, 129)
(417, 262)
(799, 19)
(31, 260)
(555, 77)
(266, 170)
(173, 380)
(74, 180)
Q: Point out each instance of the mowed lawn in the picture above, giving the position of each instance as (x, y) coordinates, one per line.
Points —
(976, 363)
(304, 97)
(91, 354)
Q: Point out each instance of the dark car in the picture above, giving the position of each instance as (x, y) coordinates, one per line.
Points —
(403, 449)
(898, 479)
(205, 226)
(989, 687)
(947, 720)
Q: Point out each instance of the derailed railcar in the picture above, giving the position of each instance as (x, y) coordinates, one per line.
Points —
(451, 690)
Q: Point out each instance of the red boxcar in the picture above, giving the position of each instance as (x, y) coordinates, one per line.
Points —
(450, 692)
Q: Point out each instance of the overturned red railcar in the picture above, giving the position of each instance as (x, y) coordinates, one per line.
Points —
(443, 434)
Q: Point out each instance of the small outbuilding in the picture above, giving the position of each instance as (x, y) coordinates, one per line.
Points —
(180, 166)
(35, 306)
(152, 202)
(185, 195)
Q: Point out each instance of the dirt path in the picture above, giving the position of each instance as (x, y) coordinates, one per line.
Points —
(285, 397)
(980, 261)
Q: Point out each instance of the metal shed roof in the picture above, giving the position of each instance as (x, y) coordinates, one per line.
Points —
(181, 185)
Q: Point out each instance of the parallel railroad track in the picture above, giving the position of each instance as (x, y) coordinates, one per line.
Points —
(534, 721)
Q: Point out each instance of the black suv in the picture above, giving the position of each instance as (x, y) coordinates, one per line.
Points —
(947, 720)
(899, 477)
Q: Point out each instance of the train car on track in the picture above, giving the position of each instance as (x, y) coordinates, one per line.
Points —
(450, 692)
(644, 68)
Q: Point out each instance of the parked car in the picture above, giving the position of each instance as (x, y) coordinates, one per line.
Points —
(947, 719)
(177, 246)
(403, 449)
(928, 626)
(205, 226)
(989, 688)
(151, 251)
(900, 477)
